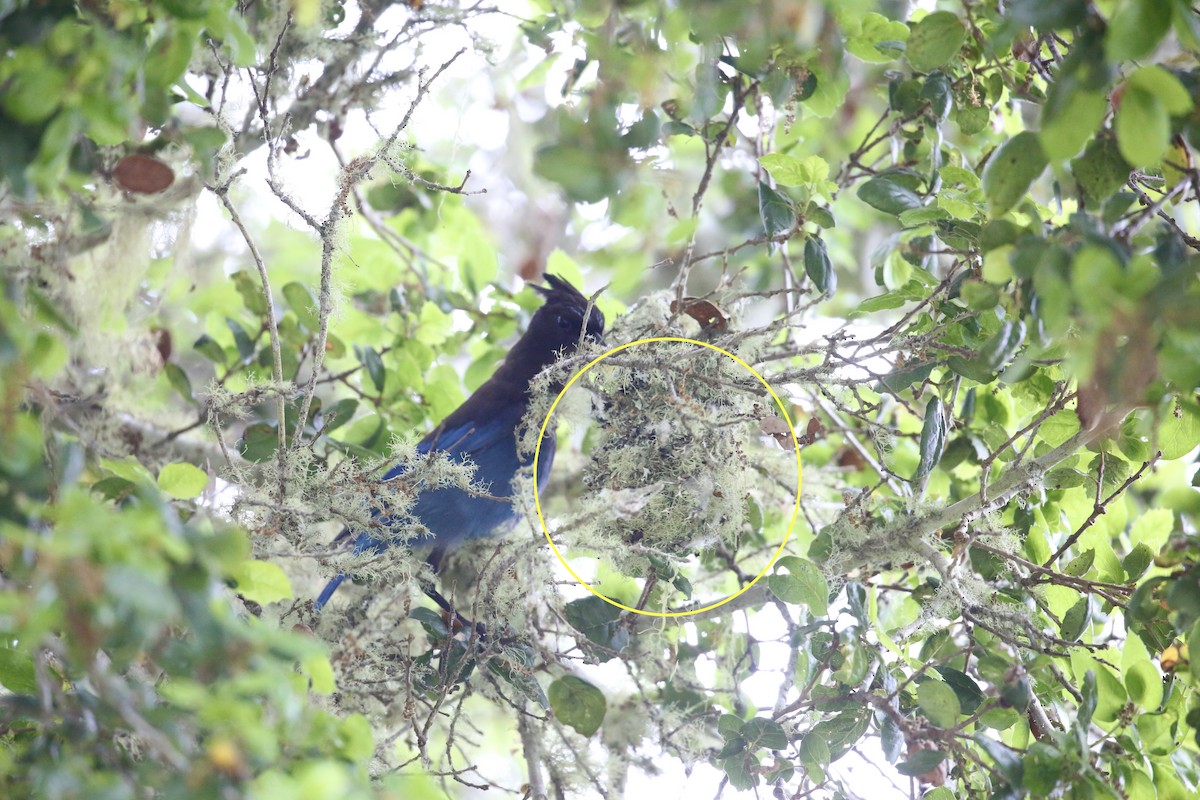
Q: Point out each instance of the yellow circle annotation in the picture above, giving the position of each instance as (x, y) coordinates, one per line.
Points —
(537, 498)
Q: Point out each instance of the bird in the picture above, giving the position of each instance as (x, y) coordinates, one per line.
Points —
(483, 430)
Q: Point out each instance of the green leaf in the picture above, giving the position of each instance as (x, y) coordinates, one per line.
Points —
(1144, 683)
(981, 295)
(182, 481)
(209, 348)
(179, 381)
(374, 364)
(891, 739)
(937, 91)
(935, 40)
(341, 413)
(1100, 169)
(241, 339)
(995, 353)
(259, 441)
(1163, 84)
(811, 172)
(357, 738)
(262, 582)
(251, 292)
(965, 688)
(599, 622)
(432, 622)
(939, 703)
(1143, 128)
(1043, 767)
(1136, 29)
(879, 302)
(303, 304)
(762, 733)
(319, 671)
(578, 704)
(901, 378)
(776, 211)
(1008, 762)
(17, 673)
(586, 174)
(1137, 561)
(1080, 564)
(934, 431)
(818, 267)
(1047, 16)
(802, 583)
(1090, 699)
(729, 726)
(1070, 116)
(34, 92)
(888, 196)
(1011, 170)
(921, 763)
(815, 755)
(1075, 621)
(1179, 431)
(877, 38)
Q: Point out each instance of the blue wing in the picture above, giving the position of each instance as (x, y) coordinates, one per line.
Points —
(452, 515)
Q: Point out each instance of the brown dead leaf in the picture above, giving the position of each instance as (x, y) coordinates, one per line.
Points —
(142, 174)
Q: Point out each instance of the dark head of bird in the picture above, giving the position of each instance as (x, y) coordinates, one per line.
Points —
(555, 330)
(558, 325)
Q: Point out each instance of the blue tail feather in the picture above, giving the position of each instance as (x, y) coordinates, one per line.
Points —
(330, 588)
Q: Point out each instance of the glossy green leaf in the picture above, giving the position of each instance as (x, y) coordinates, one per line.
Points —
(1143, 128)
(375, 369)
(937, 91)
(970, 696)
(776, 211)
(1136, 29)
(1179, 431)
(934, 431)
(889, 196)
(818, 266)
(1075, 621)
(301, 301)
(939, 703)
(891, 739)
(578, 704)
(241, 339)
(1080, 564)
(921, 763)
(1007, 761)
(210, 349)
(262, 582)
(763, 733)
(179, 381)
(796, 580)
(1100, 169)
(599, 622)
(1042, 768)
(1047, 16)
(877, 38)
(259, 441)
(182, 481)
(935, 40)
(17, 672)
(1011, 171)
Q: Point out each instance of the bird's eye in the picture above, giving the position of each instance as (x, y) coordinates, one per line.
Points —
(563, 322)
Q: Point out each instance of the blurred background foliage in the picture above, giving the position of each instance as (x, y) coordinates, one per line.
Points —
(251, 249)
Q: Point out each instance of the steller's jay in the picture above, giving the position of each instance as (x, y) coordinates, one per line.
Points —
(484, 430)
